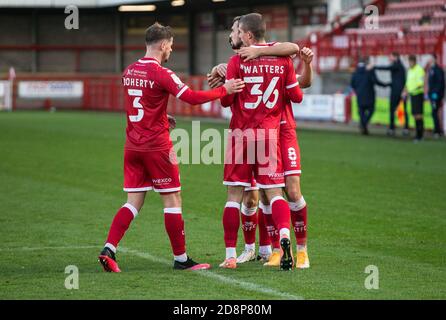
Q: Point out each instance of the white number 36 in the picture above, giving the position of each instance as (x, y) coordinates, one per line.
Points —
(262, 96)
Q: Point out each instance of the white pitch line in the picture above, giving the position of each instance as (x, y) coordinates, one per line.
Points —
(205, 273)
(209, 274)
(48, 248)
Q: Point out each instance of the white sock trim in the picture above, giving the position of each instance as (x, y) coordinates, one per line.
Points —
(248, 211)
(131, 208)
(231, 253)
(172, 210)
(251, 246)
(298, 205)
(265, 250)
(232, 204)
(266, 209)
(275, 199)
(111, 247)
(181, 258)
(284, 233)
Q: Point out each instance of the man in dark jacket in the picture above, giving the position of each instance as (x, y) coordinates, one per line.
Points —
(398, 75)
(363, 82)
(436, 93)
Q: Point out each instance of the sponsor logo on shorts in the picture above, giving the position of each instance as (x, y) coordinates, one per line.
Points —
(276, 175)
(162, 181)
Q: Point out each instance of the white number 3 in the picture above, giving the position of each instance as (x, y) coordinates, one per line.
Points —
(137, 94)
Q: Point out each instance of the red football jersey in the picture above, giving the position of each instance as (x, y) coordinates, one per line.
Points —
(269, 82)
(288, 116)
(147, 86)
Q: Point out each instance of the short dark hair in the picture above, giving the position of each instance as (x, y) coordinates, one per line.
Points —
(157, 32)
(413, 58)
(254, 23)
(434, 55)
(395, 54)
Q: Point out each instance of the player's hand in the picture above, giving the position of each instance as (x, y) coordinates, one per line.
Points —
(215, 81)
(234, 86)
(172, 122)
(221, 69)
(249, 53)
(306, 54)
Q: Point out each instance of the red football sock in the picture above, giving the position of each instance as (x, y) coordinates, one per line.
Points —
(174, 223)
(120, 224)
(299, 220)
(273, 233)
(231, 223)
(249, 224)
(281, 215)
(264, 239)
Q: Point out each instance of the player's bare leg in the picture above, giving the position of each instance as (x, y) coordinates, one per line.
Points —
(231, 224)
(119, 226)
(174, 224)
(273, 234)
(298, 209)
(249, 225)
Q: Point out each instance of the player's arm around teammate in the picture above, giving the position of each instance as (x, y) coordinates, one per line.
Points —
(218, 73)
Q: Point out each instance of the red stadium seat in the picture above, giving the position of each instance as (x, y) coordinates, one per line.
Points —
(424, 7)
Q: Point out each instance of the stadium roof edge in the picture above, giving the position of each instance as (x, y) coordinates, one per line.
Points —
(64, 3)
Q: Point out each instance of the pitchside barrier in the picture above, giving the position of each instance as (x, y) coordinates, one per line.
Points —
(5, 95)
(104, 93)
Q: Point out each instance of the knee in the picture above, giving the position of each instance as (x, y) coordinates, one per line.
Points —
(250, 203)
(235, 194)
(136, 201)
(171, 200)
(251, 199)
(293, 194)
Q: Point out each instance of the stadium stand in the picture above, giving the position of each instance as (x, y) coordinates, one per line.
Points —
(408, 27)
(96, 54)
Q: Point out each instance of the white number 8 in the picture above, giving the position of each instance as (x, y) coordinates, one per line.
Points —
(292, 154)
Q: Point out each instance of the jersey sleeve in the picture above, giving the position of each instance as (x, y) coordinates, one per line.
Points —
(170, 82)
(232, 72)
(199, 97)
(291, 84)
(293, 56)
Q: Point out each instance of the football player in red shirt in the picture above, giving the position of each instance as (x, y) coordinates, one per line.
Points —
(290, 157)
(149, 158)
(257, 110)
(251, 196)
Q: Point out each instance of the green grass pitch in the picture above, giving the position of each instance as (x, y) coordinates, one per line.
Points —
(372, 201)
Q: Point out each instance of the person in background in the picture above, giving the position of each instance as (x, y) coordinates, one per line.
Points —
(415, 90)
(398, 76)
(363, 83)
(436, 94)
